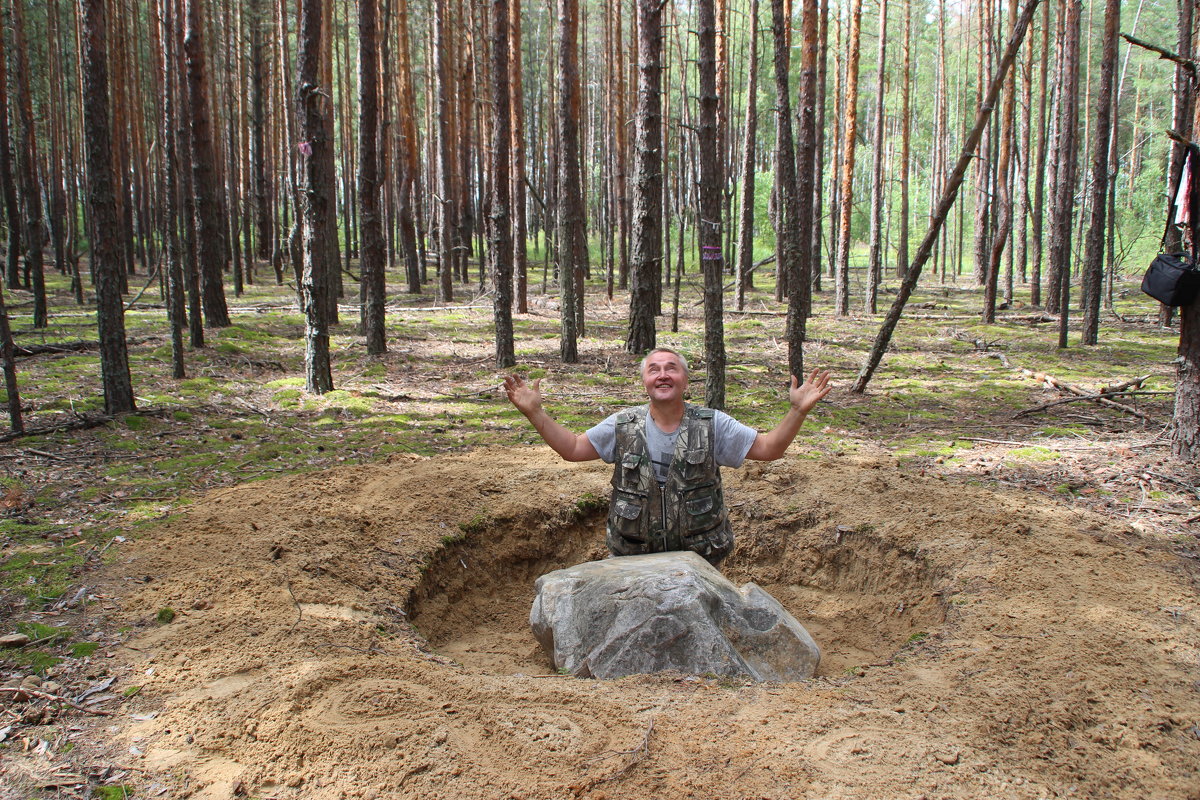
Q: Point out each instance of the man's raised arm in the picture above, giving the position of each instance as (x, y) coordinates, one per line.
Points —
(528, 400)
(801, 399)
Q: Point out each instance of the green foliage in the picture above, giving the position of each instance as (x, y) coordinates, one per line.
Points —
(114, 792)
(165, 615)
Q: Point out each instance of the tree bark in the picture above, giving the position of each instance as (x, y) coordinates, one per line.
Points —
(312, 105)
(33, 233)
(646, 255)
(12, 211)
(371, 253)
(500, 235)
(849, 141)
(110, 311)
(1066, 154)
(571, 236)
(710, 225)
(211, 244)
(745, 250)
(1093, 266)
(875, 242)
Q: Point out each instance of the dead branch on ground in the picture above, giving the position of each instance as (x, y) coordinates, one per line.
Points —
(1100, 397)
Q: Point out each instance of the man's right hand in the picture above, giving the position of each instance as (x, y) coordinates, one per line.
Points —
(526, 397)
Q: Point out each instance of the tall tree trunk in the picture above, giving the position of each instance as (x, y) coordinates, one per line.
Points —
(745, 251)
(211, 241)
(520, 264)
(849, 141)
(264, 200)
(34, 233)
(110, 311)
(646, 256)
(12, 211)
(788, 241)
(447, 220)
(312, 106)
(800, 292)
(875, 257)
(905, 142)
(500, 236)
(176, 314)
(1039, 172)
(571, 236)
(1185, 422)
(710, 225)
(1065, 150)
(408, 164)
(371, 254)
(1093, 266)
(1003, 205)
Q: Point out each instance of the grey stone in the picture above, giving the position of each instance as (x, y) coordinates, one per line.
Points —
(666, 611)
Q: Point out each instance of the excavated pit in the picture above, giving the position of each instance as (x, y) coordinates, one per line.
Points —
(862, 597)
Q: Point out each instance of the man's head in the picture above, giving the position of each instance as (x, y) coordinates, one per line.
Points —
(665, 375)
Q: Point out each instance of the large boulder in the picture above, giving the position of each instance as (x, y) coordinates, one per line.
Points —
(666, 611)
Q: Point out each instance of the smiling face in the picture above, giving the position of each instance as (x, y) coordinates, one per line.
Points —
(664, 375)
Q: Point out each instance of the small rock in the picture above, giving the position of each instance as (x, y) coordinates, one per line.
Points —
(293, 781)
(949, 759)
(52, 687)
(31, 682)
(14, 640)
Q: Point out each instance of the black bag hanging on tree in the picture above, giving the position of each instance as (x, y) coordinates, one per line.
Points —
(1173, 278)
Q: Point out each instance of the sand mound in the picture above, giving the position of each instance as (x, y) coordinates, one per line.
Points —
(364, 633)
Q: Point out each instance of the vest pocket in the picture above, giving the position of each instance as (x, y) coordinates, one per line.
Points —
(703, 509)
(625, 516)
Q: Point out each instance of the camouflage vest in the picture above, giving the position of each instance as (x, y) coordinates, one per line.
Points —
(688, 511)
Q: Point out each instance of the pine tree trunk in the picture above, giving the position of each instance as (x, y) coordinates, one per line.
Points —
(710, 225)
(849, 141)
(520, 263)
(499, 219)
(110, 311)
(905, 143)
(12, 211)
(33, 232)
(875, 245)
(176, 314)
(264, 201)
(646, 255)
(311, 109)
(211, 242)
(1093, 265)
(745, 250)
(1066, 153)
(788, 243)
(800, 294)
(1003, 204)
(571, 236)
(371, 253)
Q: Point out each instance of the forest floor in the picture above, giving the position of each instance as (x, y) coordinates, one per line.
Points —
(248, 591)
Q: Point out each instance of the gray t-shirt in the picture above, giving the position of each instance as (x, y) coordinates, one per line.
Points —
(731, 440)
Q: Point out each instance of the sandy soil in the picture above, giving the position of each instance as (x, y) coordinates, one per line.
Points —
(340, 635)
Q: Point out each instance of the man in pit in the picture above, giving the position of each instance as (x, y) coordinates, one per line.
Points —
(667, 455)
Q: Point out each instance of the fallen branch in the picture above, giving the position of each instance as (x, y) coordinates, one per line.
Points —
(17, 690)
(1099, 396)
(82, 423)
(1050, 380)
